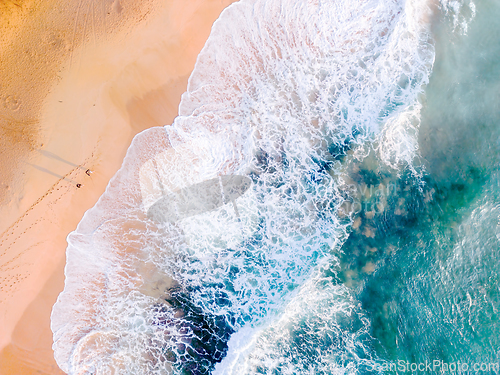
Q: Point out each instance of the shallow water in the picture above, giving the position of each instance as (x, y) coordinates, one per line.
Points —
(368, 237)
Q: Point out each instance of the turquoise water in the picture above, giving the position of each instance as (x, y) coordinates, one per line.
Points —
(437, 298)
(368, 240)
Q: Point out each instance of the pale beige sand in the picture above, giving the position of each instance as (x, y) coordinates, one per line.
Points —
(77, 81)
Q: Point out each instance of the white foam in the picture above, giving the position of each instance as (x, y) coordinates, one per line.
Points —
(320, 331)
(280, 89)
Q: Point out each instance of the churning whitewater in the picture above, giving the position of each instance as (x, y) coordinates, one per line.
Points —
(217, 246)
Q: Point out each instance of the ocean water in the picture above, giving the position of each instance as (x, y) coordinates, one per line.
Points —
(327, 202)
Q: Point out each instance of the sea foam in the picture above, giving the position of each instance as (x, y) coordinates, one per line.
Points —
(285, 93)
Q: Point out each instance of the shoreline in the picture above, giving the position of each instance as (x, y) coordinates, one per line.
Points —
(104, 93)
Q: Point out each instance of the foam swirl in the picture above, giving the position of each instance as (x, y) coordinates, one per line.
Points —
(286, 93)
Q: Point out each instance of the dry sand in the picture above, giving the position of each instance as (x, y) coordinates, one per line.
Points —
(78, 80)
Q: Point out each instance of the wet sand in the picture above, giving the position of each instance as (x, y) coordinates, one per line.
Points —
(77, 82)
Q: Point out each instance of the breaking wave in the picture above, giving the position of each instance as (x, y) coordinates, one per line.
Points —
(292, 96)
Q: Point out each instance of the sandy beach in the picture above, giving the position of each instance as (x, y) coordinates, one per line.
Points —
(77, 82)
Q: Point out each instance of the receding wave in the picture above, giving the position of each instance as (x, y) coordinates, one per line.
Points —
(174, 272)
